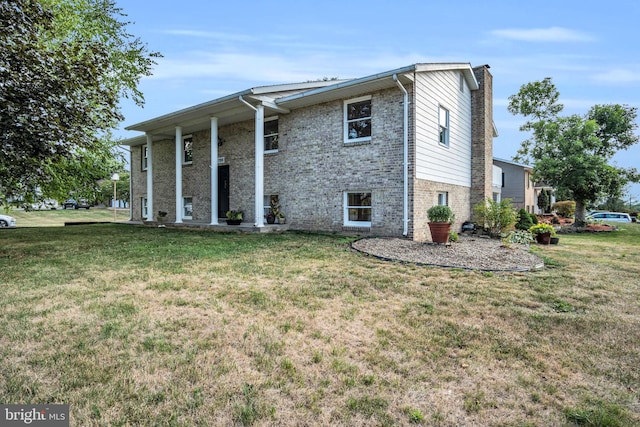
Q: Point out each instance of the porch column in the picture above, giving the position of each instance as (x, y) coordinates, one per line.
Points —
(149, 178)
(214, 171)
(259, 172)
(178, 175)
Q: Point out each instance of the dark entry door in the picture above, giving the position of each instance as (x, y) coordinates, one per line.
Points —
(223, 190)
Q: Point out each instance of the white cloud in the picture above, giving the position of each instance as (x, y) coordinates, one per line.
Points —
(552, 34)
(618, 75)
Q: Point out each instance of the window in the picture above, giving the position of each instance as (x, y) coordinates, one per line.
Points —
(145, 209)
(357, 118)
(461, 82)
(145, 157)
(187, 208)
(357, 209)
(187, 150)
(443, 124)
(443, 198)
(271, 135)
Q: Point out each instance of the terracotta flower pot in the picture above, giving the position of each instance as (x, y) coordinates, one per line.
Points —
(440, 231)
(543, 238)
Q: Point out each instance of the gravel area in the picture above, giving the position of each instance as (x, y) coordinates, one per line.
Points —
(469, 252)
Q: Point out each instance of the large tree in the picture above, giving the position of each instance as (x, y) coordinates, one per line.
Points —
(574, 153)
(64, 66)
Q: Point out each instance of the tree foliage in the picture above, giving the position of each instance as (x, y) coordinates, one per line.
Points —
(573, 153)
(65, 64)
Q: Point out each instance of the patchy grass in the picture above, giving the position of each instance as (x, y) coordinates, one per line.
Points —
(147, 326)
(57, 218)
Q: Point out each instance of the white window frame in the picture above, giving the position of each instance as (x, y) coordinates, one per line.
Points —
(145, 157)
(443, 198)
(270, 135)
(184, 149)
(346, 220)
(444, 126)
(348, 102)
(185, 201)
(144, 208)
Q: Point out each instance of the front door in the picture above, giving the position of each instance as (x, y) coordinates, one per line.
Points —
(223, 191)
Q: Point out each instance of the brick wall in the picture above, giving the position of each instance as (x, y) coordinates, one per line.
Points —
(482, 136)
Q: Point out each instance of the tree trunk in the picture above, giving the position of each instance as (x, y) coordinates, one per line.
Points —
(580, 214)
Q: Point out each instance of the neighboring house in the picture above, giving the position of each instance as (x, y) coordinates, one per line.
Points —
(369, 155)
(518, 186)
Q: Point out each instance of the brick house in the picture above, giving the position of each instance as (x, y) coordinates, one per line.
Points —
(369, 155)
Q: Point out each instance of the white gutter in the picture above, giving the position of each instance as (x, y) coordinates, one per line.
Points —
(405, 142)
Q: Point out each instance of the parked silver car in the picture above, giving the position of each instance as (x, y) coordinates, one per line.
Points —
(7, 221)
(609, 217)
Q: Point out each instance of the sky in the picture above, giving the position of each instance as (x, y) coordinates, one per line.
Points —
(213, 48)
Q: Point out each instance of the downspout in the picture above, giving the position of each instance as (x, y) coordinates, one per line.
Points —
(405, 142)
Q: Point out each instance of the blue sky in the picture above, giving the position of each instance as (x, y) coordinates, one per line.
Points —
(213, 48)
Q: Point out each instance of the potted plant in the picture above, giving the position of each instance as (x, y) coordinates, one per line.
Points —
(234, 217)
(543, 232)
(440, 219)
(275, 213)
(162, 216)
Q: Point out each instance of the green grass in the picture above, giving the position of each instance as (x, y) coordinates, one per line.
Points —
(149, 326)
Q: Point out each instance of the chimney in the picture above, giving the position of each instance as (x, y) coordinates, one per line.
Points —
(481, 137)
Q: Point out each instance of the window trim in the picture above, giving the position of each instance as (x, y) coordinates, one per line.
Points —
(443, 196)
(145, 157)
(184, 150)
(345, 219)
(447, 127)
(346, 121)
(265, 136)
(184, 204)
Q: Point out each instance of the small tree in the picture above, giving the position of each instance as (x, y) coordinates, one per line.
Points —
(544, 201)
(524, 220)
(496, 217)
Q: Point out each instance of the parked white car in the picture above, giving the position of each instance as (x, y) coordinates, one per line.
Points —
(609, 217)
(7, 221)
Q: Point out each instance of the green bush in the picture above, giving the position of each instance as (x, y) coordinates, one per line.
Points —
(565, 208)
(440, 213)
(534, 218)
(524, 220)
(496, 217)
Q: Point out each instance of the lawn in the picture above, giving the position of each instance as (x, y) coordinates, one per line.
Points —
(158, 326)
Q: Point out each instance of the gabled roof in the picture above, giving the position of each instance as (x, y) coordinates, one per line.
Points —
(281, 99)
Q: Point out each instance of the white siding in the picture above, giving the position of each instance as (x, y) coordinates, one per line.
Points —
(435, 162)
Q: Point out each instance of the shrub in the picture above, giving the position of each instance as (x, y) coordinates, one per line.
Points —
(440, 213)
(453, 236)
(565, 208)
(524, 220)
(496, 217)
(522, 237)
(534, 218)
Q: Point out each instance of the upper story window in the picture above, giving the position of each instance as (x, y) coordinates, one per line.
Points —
(271, 135)
(357, 120)
(145, 157)
(443, 125)
(187, 150)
